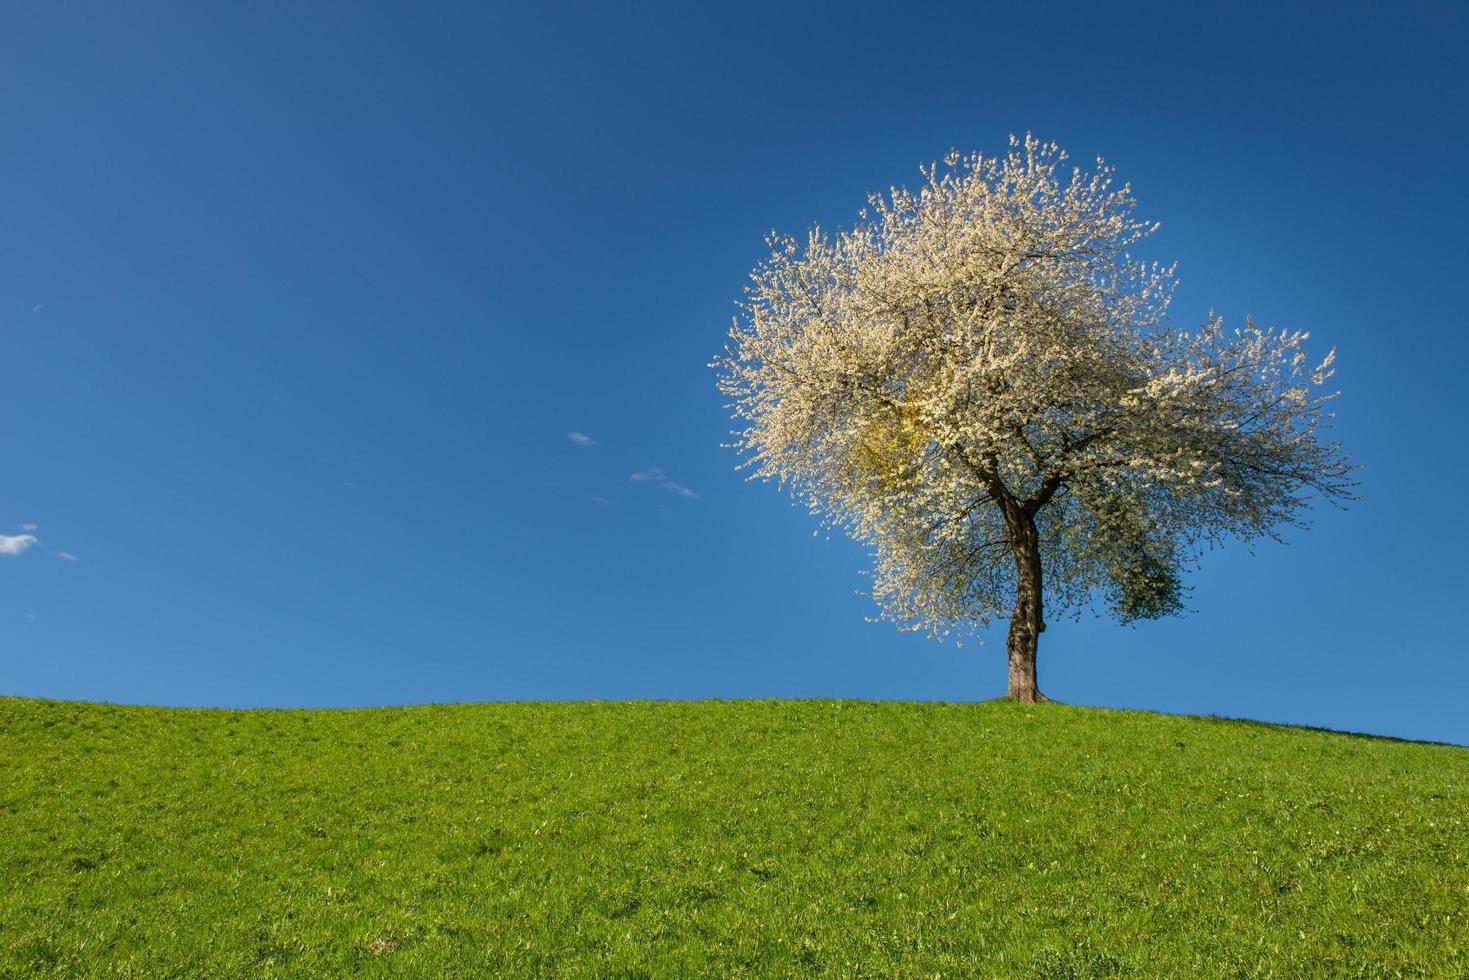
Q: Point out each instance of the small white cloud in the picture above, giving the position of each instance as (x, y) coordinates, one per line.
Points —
(655, 476)
(37, 308)
(14, 544)
(65, 555)
(29, 527)
(601, 500)
(581, 439)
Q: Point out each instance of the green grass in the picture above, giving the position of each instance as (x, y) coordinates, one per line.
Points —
(722, 838)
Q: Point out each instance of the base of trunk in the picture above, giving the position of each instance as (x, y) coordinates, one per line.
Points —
(1021, 684)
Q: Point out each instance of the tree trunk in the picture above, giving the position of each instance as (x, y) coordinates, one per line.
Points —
(1026, 623)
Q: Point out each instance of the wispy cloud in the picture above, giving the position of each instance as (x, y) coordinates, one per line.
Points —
(14, 544)
(65, 555)
(602, 501)
(581, 439)
(29, 527)
(654, 476)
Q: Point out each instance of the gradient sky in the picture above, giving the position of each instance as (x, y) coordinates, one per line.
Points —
(299, 303)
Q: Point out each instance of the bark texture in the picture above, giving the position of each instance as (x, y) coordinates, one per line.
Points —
(1026, 622)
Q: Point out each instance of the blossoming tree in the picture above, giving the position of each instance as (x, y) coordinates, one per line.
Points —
(979, 382)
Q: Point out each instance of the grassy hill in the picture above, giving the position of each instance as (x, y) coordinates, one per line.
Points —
(728, 838)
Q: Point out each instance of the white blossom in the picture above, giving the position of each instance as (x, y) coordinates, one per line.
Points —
(985, 356)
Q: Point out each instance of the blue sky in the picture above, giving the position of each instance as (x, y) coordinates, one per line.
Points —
(299, 303)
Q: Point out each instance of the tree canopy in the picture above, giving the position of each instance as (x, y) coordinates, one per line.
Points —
(979, 382)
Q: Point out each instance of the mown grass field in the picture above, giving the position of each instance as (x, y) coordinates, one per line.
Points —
(722, 838)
